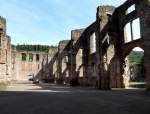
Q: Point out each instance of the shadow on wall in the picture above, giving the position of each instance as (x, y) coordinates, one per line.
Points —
(109, 31)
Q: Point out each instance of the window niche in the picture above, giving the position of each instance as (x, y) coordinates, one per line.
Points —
(37, 57)
(131, 9)
(30, 57)
(132, 30)
(24, 56)
(93, 43)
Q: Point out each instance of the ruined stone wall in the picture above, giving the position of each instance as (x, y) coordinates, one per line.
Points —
(13, 66)
(52, 72)
(5, 53)
(76, 56)
(31, 64)
(26, 66)
(106, 65)
(143, 8)
(2, 40)
(92, 70)
(49, 65)
(62, 61)
(8, 58)
(102, 55)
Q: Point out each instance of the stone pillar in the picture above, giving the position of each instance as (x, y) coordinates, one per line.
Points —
(103, 78)
(147, 65)
(3, 50)
(52, 55)
(34, 58)
(72, 69)
(62, 51)
(97, 60)
(116, 33)
(74, 47)
(51, 70)
(59, 68)
(86, 52)
(27, 57)
(116, 72)
(143, 8)
(2, 36)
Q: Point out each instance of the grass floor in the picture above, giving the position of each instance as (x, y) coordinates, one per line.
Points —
(137, 84)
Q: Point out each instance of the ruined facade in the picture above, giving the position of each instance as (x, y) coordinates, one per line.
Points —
(16, 65)
(105, 67)
(5, 52)
(27, 63)
(95, 56)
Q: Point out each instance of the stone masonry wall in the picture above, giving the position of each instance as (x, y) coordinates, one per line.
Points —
(5, 53)
(36, 64)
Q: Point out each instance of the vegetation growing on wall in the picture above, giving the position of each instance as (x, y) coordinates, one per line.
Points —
(136, 57)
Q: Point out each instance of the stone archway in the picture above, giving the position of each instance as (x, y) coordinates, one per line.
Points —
(134, 68)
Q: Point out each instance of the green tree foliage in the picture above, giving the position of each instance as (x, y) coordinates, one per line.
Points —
(136, 57)
(44, 48)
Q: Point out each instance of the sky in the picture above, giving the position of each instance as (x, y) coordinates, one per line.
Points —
(47, 22)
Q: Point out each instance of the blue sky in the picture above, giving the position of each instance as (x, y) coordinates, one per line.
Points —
(48, 21)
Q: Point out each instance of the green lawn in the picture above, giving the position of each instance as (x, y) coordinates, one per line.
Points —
(137, 84)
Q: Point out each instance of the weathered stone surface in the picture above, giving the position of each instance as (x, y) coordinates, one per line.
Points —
(74, 61)
(5, 52)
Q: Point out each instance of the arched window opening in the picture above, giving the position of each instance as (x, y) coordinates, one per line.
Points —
(30, 57)
(134, 69)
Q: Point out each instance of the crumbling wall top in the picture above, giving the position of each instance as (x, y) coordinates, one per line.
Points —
(2, 25)
(104, 11)
(13, 47)
(62, 45)
(64, 42)
(2, 20)
(53, 50)
(75, 34)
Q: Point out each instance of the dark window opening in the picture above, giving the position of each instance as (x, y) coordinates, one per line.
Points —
(37, 57)
(30, 57)
(93, 64)
(24, 56)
